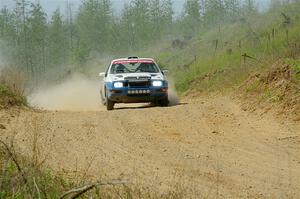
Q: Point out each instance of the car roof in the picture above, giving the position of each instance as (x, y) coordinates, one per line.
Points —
(132, 58)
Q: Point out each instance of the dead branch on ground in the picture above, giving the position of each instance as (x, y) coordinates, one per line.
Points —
(82, 190)
(14, 159)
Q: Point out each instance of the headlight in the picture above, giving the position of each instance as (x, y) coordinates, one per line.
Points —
(157, 83)
(118, 85)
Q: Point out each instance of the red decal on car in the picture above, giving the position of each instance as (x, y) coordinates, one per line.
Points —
(133, 61)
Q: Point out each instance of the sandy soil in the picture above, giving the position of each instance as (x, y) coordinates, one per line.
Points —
(209, 147)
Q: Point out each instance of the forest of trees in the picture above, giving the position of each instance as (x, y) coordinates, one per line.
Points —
(37, 44)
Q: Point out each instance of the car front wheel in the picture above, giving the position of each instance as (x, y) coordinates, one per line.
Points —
(103, 100)
(109, 104)
(164, 102)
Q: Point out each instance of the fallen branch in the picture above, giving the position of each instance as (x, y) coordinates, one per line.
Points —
(82, 190)
(14, 159)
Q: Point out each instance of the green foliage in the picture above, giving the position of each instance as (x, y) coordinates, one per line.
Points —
(215, 11)
(232, 8)
(216, 32)
(214, 60)
(8, 98)
(42, 184)
(12, 183)
(249, 7)
(295, 64)
(58, 41)
(298, 72)
(93, 24)
(192, 17)
(40, 46)
(271, 96)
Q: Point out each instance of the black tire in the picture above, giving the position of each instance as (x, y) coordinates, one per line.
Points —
(164, 102)
(109, 104)
(103, 101)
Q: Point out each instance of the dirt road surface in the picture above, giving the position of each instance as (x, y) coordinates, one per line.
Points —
(208, 147)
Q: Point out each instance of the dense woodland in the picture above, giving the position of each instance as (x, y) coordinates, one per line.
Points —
(37, 44)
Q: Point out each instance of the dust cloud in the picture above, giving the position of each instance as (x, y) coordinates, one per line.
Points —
(173, 97)
(78, 93)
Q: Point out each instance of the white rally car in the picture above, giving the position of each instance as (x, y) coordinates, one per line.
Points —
(134, 80)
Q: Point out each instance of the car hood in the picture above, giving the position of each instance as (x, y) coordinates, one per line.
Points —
(135, 76)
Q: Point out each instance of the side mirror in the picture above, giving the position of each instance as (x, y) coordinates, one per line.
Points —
(101, 74)
(165, 72)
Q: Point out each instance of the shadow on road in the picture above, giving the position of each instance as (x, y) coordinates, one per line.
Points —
(144, 106)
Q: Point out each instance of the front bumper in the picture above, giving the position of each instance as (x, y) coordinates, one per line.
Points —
(137, 95)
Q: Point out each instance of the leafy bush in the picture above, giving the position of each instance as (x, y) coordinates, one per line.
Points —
(9, 98)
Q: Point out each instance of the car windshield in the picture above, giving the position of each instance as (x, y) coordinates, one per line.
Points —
(120, 67)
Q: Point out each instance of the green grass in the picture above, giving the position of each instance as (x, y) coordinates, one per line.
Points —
(271, 96)
(43, 183)
(295, 64)
(9, 98)
(253, 36)
(39, 184)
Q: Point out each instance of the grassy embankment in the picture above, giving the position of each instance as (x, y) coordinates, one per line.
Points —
(226, 56)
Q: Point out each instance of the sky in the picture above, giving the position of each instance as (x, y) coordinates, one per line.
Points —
(51, 5)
